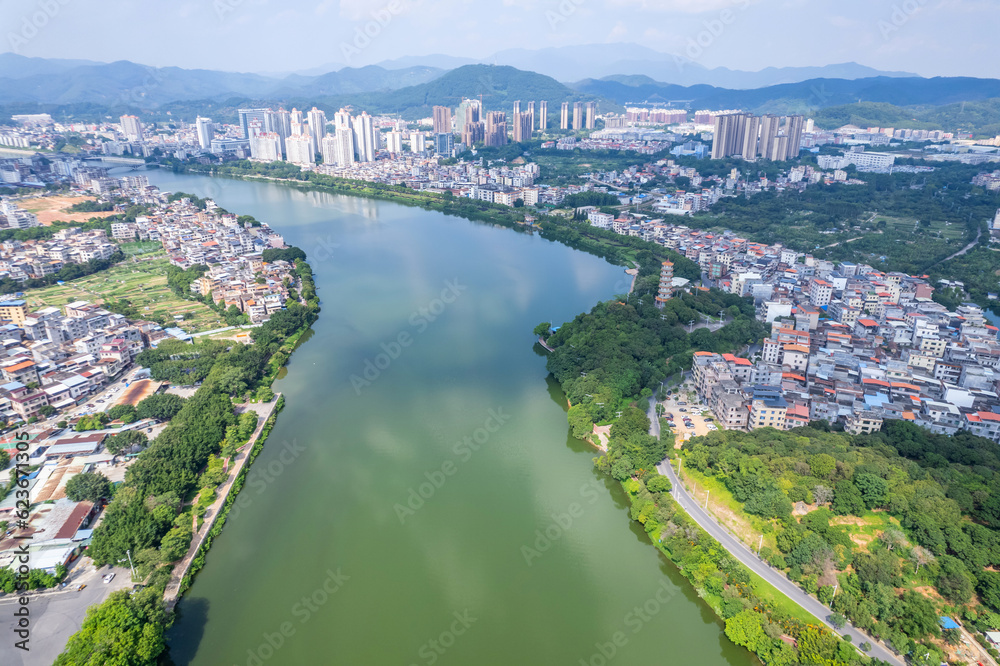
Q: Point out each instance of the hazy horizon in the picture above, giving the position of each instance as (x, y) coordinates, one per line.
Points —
(926, 37)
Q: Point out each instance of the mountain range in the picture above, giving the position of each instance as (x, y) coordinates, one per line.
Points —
(572, 63)
(409, 87)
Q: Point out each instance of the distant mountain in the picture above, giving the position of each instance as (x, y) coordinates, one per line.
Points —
(499, 85)
(795, 97)
(27, 80)
(572, 63)
(436, 60)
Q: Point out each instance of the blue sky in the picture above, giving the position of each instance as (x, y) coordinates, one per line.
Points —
(929, 37)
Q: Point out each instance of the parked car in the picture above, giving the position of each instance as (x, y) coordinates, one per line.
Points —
(109, 577)
(83, 585)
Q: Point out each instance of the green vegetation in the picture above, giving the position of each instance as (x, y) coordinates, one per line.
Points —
(151, 513)
(126, 630)
(123, 413)
(137, 288)
(609, 361)
(887, 516)
(980, 117)
(92, 206)
(754, 619)
(126, 441)
(89, 486)
(898, 222)
(159, 406)
(67, 272)
(617, 249)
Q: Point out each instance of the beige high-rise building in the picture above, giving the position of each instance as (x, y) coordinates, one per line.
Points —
(577, 115)
(496, 129)
(748, 149)
(543, 116)
(517, 107)
(591, 118)
(564, 116)
(531, 112)
(522, 127)
(769, 125)
(442, 120)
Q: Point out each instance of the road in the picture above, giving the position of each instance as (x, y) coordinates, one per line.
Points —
(55, 615)
(979, 232)
(749, 559)
(738, 550)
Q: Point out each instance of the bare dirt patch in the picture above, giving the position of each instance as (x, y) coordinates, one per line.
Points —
(50, 209)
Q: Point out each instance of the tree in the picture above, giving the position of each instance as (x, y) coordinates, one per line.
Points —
(892, 538)
(125, 441)
(745, 629)
(124, 413)
(954, 581)
(125, 630)
(160, 406)
(92, 422)
(88, 487)
(874, 489)
(920, 556)
(543, 329)
(658, 484)
(822, 494)
(847, 499)
(916, 615)
(823, 465)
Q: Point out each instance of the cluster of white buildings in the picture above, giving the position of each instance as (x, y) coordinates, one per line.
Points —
(20, 260)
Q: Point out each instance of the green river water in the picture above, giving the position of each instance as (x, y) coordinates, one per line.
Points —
(434, 510)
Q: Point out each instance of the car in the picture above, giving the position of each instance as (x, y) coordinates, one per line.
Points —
(109, 577)
(671, 424)
(80, 589)
(149, 430)
(683, 409)
(682, 404)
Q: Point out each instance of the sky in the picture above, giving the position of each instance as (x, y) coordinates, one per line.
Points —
(927, 37)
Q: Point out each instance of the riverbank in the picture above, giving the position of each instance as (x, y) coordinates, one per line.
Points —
(615, 248)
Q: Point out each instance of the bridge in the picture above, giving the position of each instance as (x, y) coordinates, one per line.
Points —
(119, 161)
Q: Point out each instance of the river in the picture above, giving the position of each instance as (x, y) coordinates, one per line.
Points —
(435, 509)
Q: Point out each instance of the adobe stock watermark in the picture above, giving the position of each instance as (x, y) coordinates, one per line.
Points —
(364, 34)
(303, 611)
(33, 21)
(223, 8)
(435, 648)
(419, 495)
(633, 622)
(900, 16)
(562, 12)
(419, 320)
(712, 30)
(260, 477)
(561, 523)
(324, 248)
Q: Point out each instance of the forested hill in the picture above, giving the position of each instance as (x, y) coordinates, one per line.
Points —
(905, 522)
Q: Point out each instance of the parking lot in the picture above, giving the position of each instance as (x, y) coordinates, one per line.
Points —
(681, 408)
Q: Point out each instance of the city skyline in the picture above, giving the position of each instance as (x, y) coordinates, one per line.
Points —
(926, 37)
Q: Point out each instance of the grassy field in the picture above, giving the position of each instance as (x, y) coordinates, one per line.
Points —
(143, 247)
(938, 229)
(142, 282)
